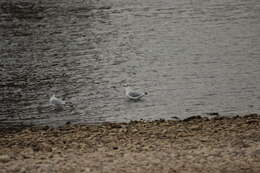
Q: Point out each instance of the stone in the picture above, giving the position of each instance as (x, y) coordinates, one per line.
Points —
(5, 158)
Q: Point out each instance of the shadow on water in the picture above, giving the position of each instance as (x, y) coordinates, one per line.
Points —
(193, 57)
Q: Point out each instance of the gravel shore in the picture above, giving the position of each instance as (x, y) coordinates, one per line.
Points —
(196, 144)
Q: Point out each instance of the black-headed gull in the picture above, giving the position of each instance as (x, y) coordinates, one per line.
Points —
(133, 95)
(56, 102)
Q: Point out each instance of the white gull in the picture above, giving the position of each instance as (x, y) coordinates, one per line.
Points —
(56, 102)
(133, 95)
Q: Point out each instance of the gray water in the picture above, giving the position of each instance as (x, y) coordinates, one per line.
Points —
(193, 57)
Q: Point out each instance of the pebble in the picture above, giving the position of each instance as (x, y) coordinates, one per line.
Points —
(4, 158)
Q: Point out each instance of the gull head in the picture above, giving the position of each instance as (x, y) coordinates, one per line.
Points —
(127, 88)
(125, 85)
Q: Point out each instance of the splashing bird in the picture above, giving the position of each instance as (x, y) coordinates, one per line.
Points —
(56, 102)
(133, 95)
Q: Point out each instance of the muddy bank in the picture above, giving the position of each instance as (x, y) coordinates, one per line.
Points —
(193, 145)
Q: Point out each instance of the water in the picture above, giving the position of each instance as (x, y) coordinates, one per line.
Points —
(192, 56)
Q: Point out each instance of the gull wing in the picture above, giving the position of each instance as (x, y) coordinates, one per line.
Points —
(134, 94)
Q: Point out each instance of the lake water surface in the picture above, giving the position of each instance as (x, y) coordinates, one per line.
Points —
(193, 57)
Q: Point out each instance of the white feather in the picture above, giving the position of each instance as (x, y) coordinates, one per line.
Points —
(58, 103)
(133, 95)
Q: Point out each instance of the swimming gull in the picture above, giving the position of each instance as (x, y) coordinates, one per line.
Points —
(56, 102)
(133, 95)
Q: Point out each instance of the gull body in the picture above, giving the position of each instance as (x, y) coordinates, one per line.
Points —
(56, 102)
(133, 95)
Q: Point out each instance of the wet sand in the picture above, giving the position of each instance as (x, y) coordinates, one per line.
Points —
(218, 144)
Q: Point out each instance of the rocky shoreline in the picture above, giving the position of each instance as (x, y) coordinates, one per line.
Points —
(197, 144)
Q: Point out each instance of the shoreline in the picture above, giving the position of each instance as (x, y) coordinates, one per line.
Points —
(16, 127)
(196, 144)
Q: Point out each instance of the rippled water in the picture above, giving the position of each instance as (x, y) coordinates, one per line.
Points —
(192, 56)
